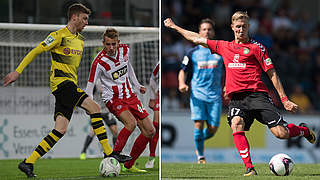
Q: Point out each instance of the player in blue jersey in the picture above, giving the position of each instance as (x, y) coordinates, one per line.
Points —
(205, 99)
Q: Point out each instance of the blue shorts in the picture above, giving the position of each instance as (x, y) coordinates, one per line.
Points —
(202, 110)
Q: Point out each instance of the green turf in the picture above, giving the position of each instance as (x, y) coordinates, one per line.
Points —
(233, 171)
(73, 169)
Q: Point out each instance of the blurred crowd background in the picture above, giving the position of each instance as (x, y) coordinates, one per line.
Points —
(110, 12)
(289, 29)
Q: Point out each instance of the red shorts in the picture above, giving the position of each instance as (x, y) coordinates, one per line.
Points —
(117, 106)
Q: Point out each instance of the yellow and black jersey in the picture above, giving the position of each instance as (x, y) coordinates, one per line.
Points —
(66, 53)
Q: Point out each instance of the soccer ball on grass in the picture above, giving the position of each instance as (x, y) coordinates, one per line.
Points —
(281, 165)
(109, 167)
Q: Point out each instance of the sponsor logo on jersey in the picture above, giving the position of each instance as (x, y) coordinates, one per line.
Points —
(236, 64)
(207, 64)
(246, 51)
(49, 40)
(68, 51)
(236, 58)
(268, 61)
(119, 72)
(185, 60)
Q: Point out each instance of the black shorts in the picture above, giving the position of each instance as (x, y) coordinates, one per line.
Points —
(109, 119)
(68, 96)
(254, 105)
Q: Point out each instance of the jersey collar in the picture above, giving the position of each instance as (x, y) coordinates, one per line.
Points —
(115, 58)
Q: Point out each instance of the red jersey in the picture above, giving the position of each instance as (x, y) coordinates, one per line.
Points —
(244, 64)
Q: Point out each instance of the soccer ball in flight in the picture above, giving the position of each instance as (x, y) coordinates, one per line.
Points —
(109, 167)
(281, 165)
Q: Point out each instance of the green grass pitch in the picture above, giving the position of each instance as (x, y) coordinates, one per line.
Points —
(72, 169)
(234, 171)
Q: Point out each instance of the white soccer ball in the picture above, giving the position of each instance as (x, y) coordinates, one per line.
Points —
(109, 167)
(281, 165)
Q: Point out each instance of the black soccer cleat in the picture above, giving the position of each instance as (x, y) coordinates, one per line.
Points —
(312, 137)
(119, 157)
(250, 172)
(27, 168)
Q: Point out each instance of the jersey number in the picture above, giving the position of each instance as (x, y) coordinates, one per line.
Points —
(235, 111)
(140, 108)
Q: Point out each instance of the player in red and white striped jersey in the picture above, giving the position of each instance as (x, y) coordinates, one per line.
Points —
(112, 66)
(154, 105)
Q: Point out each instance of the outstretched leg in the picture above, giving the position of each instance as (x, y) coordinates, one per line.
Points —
(292, 130)
(45, 145)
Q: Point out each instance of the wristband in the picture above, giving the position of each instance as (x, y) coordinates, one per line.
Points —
(285, 98)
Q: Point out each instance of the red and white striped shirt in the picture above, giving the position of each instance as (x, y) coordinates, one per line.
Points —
(114, 73)
(154, 82)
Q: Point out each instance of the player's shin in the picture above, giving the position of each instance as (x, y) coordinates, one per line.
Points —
(199, 141)
(100, 131)
(138, 147)
(295, 130)
(45, 145)
(243, 148)
(121, 139)
(154, 140)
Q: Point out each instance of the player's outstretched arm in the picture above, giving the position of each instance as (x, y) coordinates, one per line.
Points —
(189, 35)
(288, 105)
(10, 78)
(13, 76)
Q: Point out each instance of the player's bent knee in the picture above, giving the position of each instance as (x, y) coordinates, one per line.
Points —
(213, 129)
(282, 135)
(91, 106)
(95, 108)
(280, 132)
(150, 133)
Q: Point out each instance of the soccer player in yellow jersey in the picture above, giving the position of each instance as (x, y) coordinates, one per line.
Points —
(66, 47)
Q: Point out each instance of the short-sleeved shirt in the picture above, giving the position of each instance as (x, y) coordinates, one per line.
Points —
(244, 64)
(113, 73)
(206, 69)
(66, 53)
